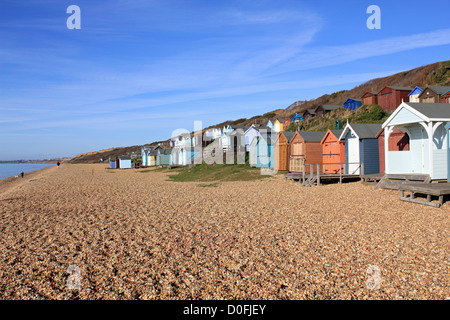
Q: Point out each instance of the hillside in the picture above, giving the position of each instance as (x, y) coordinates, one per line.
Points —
(433, 74)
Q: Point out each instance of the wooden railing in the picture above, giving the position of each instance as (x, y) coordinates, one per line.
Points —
(298, 165)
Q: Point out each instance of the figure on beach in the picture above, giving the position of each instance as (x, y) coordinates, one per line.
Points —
(58, 164)
(21, 174)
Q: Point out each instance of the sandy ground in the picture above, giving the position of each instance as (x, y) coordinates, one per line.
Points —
(87, 232)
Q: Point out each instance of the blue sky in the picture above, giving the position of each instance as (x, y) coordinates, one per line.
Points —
(138, 70)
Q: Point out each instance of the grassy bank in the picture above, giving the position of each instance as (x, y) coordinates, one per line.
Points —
(217, 172)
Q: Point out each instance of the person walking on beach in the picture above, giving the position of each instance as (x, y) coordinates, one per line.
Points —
(21, 174)
(58, 164)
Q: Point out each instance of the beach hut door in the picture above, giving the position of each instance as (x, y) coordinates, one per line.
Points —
(353, 155)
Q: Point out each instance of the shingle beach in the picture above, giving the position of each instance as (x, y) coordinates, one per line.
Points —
(133, 235)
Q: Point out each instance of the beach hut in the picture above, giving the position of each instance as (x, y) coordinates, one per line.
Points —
(264, 151)
(333, 151)
(250, 133)
(297, 117)
(361, 146)
(352, 104)
(213, 133)
(427, 125)
(398, 141)
(278, 125)
(390, 97)
(112, 163)
(252, 154)
(164, 157)
(270, 125)
(281, 150)
(124, 162)
(324, 109)
(286, 122)
(370, 97)
(432, 94)
(182, 150)
(445, 98)
(305, 146)
(414, 94)
(308, 114)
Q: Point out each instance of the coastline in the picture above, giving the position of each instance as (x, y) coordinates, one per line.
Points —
(8, 183)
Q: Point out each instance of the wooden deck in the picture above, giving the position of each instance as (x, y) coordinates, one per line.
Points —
(308, 180)
(394, 181)
(372, 179)
(428, 189)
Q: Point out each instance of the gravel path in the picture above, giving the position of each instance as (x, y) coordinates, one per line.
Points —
(131, 235)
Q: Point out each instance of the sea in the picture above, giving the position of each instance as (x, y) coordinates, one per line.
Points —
(13, 169)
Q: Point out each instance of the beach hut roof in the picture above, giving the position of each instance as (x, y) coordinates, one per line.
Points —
(400, 88)
(362, 130)
(426, 111)
(288, 134)
(312, 136)
(440, 89)
(337, 134)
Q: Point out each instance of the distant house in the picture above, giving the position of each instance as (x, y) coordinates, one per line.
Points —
(389, 98)
(432, 94)
(297, 117)
(281, 150)
(414, 94)
(445, 98)
(333, 151)
(361, 146)
(286, 122)
(370, 97)
(278, 125)
(324, 109)
(305, 146)
(352, 104)
(427, 125)
(308, 114)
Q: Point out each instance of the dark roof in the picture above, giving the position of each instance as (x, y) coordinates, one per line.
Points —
(353, 99)
(366, 130)
(329, 107)
(312, 136)
(440, 89)
(288, 135)
(432, 110)
(401, 88)
(337, 133)
(165, 151)
(263, 127)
